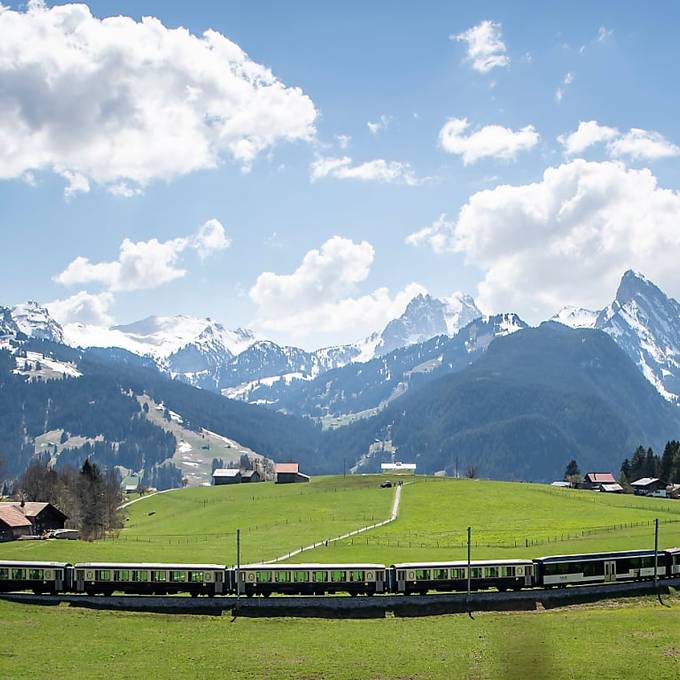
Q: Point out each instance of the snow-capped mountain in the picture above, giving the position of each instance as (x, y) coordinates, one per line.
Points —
(645, 323)
(8, 328)
(35, 321)
(576, 317)
(426, 317)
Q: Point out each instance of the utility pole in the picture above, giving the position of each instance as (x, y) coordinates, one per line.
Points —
(344, 467)
(469, 573)
(238, 563)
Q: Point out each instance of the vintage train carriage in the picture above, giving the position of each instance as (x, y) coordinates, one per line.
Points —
(40, 577)
(673, 561)
(419, 577)
(311, 579)
(628, 565)
(149, 578)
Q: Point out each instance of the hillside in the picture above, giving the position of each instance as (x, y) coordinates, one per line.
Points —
(533, 401)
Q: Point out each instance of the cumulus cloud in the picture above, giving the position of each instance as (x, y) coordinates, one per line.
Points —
(83, 307)
(637, 144)
(379, 125)
(122, 103)
(485, 46)
(490, 141)
(145, 264)
(377, 170)
(565, 239)
(321, 295)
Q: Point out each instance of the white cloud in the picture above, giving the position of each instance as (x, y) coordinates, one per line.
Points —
(437, 235)
(122, 103)
(320, 296)
(636, 143)
(490, 141)
(604, 33)
(381, 124)
(485, 47)
(210, 238)
(565, 239)
(588, 133)
(83, 308)
(343, 141)
(566, 81)
(377, 170)
(145, 264)
(639, 144)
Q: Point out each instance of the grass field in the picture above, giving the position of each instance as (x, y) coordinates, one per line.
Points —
(199, 524)
(632, 640)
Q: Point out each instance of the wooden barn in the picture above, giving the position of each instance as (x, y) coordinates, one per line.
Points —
(223, 476)
(13, 523)
(289, 473)
(248, 476)
(42, 516)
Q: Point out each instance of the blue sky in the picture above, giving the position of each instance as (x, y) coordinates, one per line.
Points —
(567, 240)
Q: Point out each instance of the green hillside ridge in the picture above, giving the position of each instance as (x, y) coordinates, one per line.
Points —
(507, 519)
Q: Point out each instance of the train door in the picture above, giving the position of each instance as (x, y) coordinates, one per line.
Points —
(610, 571)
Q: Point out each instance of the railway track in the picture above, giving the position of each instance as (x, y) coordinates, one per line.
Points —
(380, 606)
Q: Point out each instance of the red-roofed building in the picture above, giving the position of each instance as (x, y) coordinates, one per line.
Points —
(289, 473)
(13, 523)
(593, 480)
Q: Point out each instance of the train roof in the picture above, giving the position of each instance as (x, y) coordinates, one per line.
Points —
(315, 565)
(21, 563)
(145, 565)
(597, 556)
(460, 563)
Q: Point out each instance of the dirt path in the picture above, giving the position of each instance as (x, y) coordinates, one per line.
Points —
(141, 498)
(394, 514)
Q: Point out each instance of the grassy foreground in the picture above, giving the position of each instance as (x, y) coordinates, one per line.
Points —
(636, 639)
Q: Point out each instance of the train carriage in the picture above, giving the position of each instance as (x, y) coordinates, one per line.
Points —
(40, 577)
(149, 578)
(311, 579)
(592, 568)
(420, 577)
(673, 561)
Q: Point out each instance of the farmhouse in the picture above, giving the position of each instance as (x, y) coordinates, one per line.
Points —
(593, 480)
(42, 516)
(13, 523)
(226, 476)
(289, 473)
(611, 488)
(649, 486)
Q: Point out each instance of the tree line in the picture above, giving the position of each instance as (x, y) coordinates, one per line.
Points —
(645, 463)
(89, 496)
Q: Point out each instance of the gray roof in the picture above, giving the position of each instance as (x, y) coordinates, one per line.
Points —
(144, 565)
(645, 481)
(14, 563)
(461, 563)
(313, 565)
(226, 472)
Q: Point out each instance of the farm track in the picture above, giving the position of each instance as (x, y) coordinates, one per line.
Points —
(380, 606)
(376, 525)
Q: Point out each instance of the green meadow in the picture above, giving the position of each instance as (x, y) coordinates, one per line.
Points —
(633, 640)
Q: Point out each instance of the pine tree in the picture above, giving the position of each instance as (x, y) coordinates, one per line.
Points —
(571, 472)
(637, 464)
(668, 461)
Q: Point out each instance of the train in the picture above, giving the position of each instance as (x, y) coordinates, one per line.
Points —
(141, 578)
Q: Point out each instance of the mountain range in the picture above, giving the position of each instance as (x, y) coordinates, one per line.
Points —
(442, 384)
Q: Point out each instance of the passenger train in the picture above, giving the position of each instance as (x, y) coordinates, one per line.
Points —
(105, 578)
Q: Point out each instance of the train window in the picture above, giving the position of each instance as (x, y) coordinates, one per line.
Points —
(18, 574)
(594, 568)
(121, 575)
(282, 576)
(35, 574)
(196, 577)
(103, 575)
(560, 568)
(490, 572)
(264, 576)
(159, 576)
(401, 575)
(178, 576)
(4, 574)
(422, 574)
(80, 575)
(440, 574)
(319, 576)
(300, 576)
(356, 575)
(337, 576)
(140, 576)
(648, 562)
(506, 571)
(475, 572)
(458, 572)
